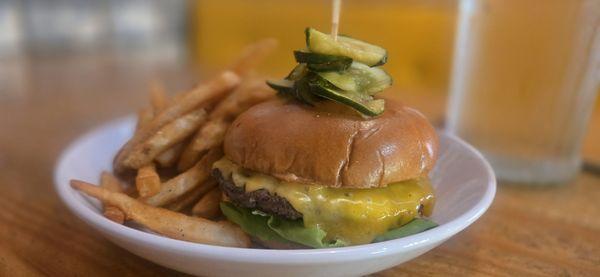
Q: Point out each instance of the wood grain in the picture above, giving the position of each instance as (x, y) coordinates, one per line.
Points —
(551, 231)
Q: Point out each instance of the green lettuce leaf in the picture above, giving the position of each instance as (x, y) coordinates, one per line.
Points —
(270, 228)
(415, 226)
(295, 231)
(267, 227)
(252, 223)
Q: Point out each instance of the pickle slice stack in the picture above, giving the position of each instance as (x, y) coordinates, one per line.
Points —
(345, 70)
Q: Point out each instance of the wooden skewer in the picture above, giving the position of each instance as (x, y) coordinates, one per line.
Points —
(335, 18)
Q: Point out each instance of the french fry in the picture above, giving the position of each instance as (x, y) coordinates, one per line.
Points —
(186, 181)
(248, 94)
(147, 181)
(192, 197)
(111, 183)
(171, 134)
(252, 56)
(170, 224)
(212, 134)
(131, 191)
(159, 100)
(115, 214)
(144, 118)
(208, 206)
(199, 96)
(158, 97)
(170, 156)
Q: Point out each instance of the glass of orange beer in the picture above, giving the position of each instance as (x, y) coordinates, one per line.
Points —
(524, 82)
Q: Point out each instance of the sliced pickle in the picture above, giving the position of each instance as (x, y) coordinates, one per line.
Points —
(322, 62)
(363, 103)
(359, 78)
(281, 86)
(369, 54)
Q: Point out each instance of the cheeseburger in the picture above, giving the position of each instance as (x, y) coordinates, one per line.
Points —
(327, 164)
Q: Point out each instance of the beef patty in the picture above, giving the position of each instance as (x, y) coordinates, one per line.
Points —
(260, 199)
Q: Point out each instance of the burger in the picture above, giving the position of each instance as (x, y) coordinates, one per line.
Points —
(306, 176)
(322, 167)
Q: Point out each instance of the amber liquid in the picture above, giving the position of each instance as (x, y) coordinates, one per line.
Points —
(524, 80)
(418, 34)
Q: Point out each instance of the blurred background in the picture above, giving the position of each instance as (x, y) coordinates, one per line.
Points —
(206, 35)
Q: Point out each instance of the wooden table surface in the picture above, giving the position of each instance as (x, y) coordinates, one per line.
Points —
(552, 231)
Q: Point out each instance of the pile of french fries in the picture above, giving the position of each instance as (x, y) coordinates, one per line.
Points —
(162, 174)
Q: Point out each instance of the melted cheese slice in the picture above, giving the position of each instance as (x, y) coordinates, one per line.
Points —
(355, 216)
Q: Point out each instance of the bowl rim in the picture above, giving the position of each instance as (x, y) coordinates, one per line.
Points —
(299, 256)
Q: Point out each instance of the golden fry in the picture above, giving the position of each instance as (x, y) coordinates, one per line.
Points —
(253, 55)
(171, 134)
(170, 156)
(192, 197)
(199, 96)
(212, 135)
(208, 206)
(147, 181)
(186, 181)
(131, 191)
(144, 118)
(171, 224)
(111, 183)
(158, 97)
(248, 94)
(115, 214)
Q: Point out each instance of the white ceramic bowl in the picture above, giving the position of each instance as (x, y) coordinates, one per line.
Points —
(464, 185)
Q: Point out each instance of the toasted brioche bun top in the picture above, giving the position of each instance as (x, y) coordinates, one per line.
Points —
(340, 149)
